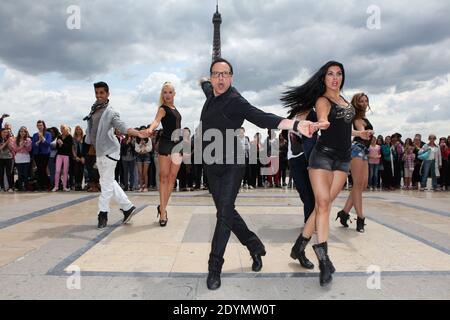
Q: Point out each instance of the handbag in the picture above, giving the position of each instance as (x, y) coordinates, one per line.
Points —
(424, 155)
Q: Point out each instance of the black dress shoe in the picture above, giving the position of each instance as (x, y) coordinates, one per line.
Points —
(102, 220)
(127, 215)
(213, 281)
(257, 261)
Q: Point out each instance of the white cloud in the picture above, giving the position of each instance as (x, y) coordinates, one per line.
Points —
(404, 67)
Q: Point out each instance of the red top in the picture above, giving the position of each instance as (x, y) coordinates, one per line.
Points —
(445, 152)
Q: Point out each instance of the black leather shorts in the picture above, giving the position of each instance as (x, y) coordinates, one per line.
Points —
(167, 147)
(326, 160)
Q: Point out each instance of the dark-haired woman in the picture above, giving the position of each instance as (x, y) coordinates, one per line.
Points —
(169, 154)
(53, 152)
(301, 107)
(143, 147)
(41, 154)
(299, 149)
(359, 164)
(329, 161)
(79, 152)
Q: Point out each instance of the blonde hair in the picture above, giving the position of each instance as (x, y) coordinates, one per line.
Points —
(66, 127)
(75, 132)
(165, 84)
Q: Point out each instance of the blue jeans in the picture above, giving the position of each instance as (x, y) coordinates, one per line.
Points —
(373, 175)
(143, 158)
(429, 165)
(128, 172)
(360, 151)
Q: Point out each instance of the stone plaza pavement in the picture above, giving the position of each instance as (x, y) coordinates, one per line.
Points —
(50, 248)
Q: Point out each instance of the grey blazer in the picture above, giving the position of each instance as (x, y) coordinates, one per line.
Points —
(106, 142)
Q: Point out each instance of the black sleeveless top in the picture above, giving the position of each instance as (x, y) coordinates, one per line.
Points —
(170, 122)
(338, 136)
(368, 126)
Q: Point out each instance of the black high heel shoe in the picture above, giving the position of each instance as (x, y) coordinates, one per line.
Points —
(162, 222)
(344, 217)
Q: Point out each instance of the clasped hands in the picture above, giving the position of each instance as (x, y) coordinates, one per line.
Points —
(144, 133)
(307, 128)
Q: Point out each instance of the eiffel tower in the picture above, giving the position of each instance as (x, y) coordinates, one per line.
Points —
(217, 20)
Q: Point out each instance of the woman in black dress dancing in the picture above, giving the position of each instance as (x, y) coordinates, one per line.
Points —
(169, 148)
(329, 161)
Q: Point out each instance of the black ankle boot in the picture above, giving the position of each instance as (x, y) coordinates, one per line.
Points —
(344, 217)
(298, 252)
(360, 223)
(324, 266)
(330, 264)
(213, 280)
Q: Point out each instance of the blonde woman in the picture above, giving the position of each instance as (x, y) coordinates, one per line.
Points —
(79, 152)
(64, 145)
(169, 158)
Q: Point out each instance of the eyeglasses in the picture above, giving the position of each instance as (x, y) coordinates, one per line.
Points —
(225, 74)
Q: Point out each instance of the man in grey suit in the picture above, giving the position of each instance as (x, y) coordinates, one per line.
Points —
(102, 120)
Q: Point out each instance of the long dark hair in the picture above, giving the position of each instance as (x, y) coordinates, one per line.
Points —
(1, 135)
(303, 98)
(138, 139)
(45, 127)
(54, 132)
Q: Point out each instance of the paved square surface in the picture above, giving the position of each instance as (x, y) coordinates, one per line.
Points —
(44, 237)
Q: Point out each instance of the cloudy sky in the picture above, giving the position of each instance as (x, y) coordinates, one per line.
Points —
(400, 57)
